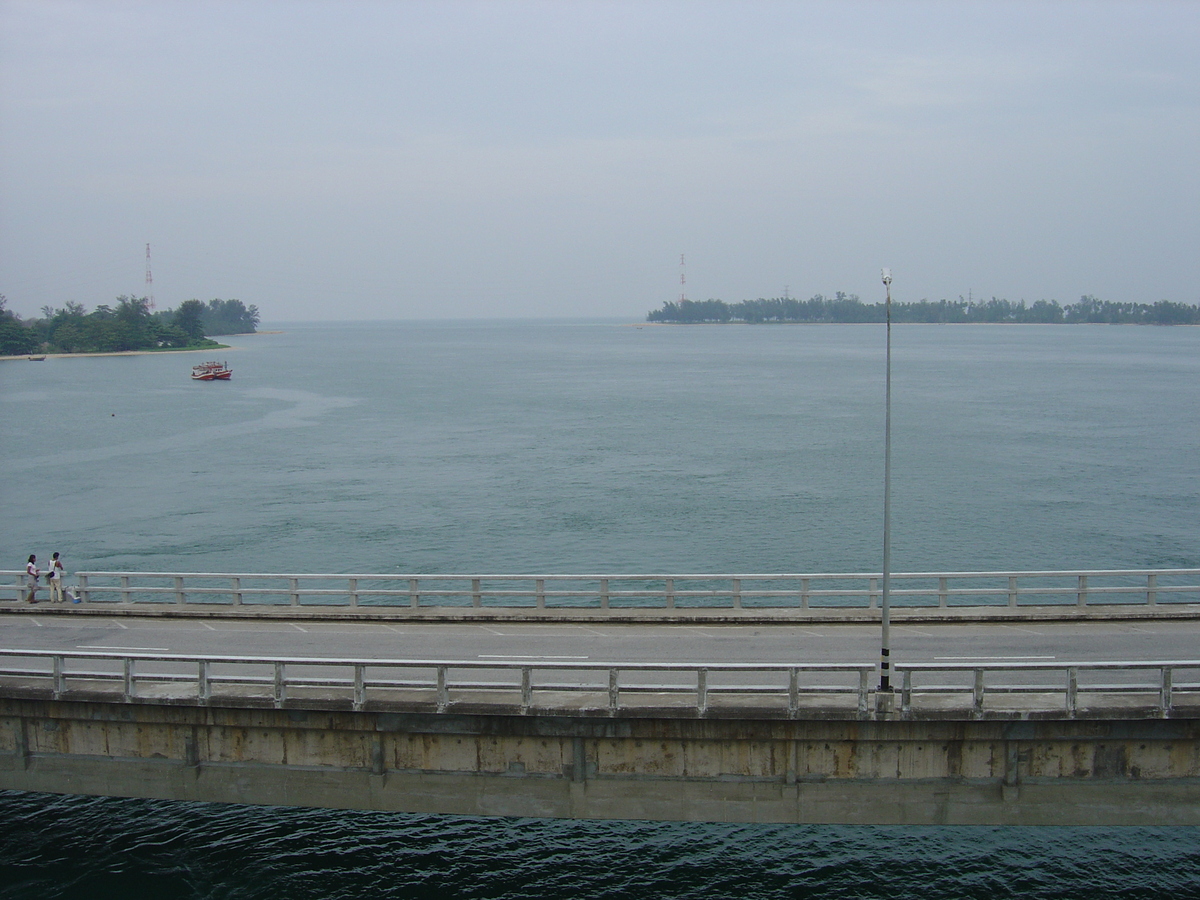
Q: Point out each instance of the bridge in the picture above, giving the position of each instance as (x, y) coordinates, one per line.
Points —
(1023, 698)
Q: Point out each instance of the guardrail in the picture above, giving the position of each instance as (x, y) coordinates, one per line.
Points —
(1001, 689)
(1153, 684)
(668, 593)
(592, 685)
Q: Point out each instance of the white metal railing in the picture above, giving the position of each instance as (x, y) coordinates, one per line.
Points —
(669, 593)
(593, 685)
(1146, 683)
(1004, 689)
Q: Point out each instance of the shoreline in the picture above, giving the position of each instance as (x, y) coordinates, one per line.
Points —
(26, 356)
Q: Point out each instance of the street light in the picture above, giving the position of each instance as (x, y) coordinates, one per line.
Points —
(885, 650)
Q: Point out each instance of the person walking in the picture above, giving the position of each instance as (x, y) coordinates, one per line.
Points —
(31, 579)
(54, 575)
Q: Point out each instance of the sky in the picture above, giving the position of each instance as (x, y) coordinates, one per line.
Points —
(453, 160)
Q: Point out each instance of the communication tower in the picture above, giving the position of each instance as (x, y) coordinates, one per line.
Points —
(149, 279)
(682, 281)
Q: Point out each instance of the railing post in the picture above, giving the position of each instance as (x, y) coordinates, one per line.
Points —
(476, 593)
(613, 688)
(1164, 695)
(60, 682)
(130, 686)
(354, 592)
(203, 685)
(804, 593)
(1081, 596)
(669, 591)
(180, 597)
(702, 690)
(443, 690)
(1151, 590)
(526, 688)
(793, 691)
(737, 593)
(864, 689)
(125, 594)
(294, 589)
(237, 591)
(943, 592)
(539, 590)
(604, 600)
(83, 587)
(1072, 691)
(414, 594)
(906, 693)
(872, 599)
(280, 685)
(977, 706)
(1012, 590)
(360, 686)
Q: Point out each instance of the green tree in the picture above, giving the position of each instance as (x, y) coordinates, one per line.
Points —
(134, 327)
(174, 337)
(230, 317)
(15, 338)
(189, 318)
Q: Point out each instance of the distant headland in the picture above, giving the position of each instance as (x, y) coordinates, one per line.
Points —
(849, 308)
(131, 326)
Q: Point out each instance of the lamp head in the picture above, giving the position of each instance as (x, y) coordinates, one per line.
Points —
(887, 276)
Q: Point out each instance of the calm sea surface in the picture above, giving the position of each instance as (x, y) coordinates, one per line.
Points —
(597, 447)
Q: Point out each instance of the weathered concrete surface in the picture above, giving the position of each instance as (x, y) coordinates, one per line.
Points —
(944, 771)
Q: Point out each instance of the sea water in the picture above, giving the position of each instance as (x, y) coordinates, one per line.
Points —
(598, 447)
(493, 447)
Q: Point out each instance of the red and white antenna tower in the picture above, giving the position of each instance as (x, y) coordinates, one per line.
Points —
(682, 281)
(149, 279)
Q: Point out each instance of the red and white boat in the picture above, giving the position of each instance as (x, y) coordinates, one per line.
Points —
(212, 371)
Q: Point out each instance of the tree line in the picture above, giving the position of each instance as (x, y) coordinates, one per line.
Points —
(844, 307)
(130, 325)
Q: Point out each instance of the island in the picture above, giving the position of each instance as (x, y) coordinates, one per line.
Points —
(131, 325)
(844, 307)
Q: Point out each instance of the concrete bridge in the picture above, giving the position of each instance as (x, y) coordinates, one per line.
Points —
(1047, 720)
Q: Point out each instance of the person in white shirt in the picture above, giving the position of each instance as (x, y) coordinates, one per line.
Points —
(54, 578)
(31, 579)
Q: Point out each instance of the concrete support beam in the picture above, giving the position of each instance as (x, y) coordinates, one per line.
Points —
(1110, 771)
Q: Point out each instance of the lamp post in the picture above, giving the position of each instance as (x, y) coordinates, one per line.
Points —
(885, 650)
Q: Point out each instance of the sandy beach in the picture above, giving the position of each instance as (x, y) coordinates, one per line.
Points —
(27, 356)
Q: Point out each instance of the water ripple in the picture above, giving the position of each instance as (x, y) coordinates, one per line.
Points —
(54, 847)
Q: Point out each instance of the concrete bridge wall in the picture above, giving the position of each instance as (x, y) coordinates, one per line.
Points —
(639, 766)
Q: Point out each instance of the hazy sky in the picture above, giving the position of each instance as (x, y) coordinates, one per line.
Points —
(366, 160)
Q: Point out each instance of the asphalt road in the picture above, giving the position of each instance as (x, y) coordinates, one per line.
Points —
(704, 644)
